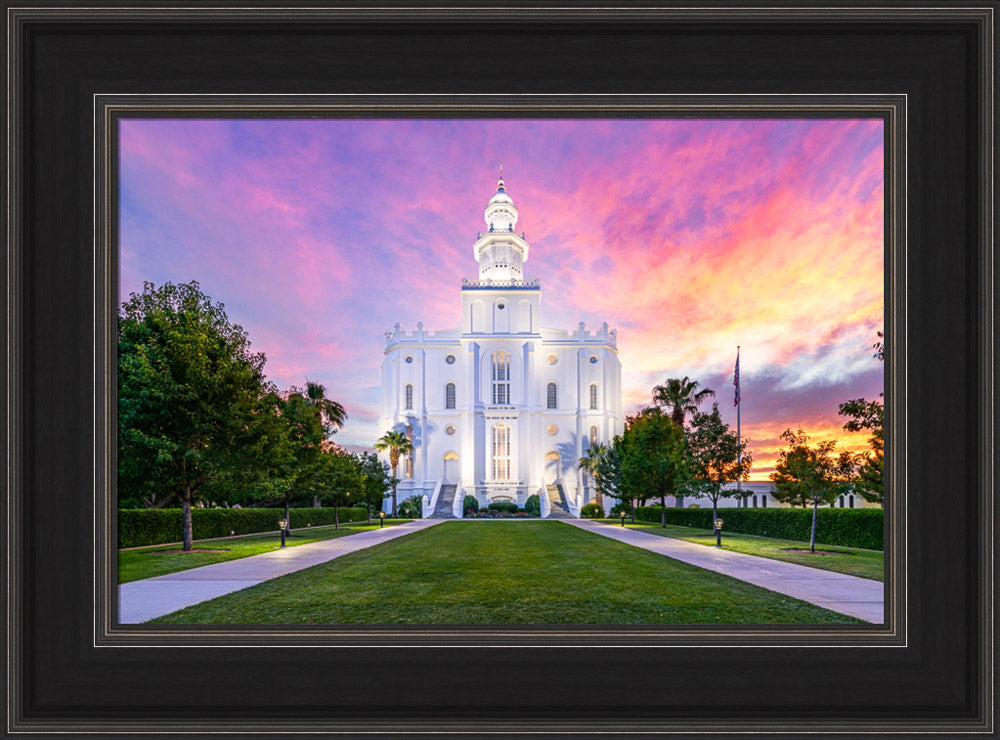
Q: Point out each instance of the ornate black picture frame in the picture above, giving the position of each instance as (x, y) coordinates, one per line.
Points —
(927, 71)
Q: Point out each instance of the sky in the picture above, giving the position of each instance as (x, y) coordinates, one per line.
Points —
(690, 236)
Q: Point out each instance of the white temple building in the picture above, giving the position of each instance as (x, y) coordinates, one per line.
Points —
(500, 408)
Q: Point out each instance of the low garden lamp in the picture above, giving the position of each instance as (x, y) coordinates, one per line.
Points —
(622, 512)
(718, 533)
(283, 524)
(381, 519)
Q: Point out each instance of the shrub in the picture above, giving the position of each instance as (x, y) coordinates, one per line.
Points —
(508, 507)
(592, 511)
(410, 508)
(469, 503)
(845, 527)
(533, 506)
(138, 527)
(621, 506)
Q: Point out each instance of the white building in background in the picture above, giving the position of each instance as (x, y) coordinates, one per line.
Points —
(500, 408)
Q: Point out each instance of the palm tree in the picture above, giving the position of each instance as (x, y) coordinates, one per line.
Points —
(330, 411)
(682, 397)
(397, 444)
(589, 462)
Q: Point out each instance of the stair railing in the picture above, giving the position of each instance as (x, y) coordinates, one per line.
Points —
(432, 504)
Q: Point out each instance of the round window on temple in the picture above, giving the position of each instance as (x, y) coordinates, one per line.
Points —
(552, 429)
(500, 305)
(593, 359)
(552, 359)
(449, 429)
(450, 359)
(408, 359)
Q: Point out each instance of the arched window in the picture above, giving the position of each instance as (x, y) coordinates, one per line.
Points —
(763, 501)
(593, 436)
(755, 501)
(501, 452)
(593, 395)
(551, 399)
(850, 501)
(449, 395)
(501, 377)
(409, 396)
(841, 502)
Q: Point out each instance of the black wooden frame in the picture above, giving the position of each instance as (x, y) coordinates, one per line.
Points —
(928, 71)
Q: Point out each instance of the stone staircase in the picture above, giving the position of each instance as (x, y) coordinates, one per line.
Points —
(557, 502)
(445, 502)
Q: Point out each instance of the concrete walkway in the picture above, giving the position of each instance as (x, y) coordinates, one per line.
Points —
(140, 601)
(857, 597)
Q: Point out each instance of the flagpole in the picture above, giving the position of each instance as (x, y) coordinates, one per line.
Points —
(739, 436)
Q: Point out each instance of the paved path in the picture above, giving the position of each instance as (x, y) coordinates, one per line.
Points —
(140, 601)
(857, 597)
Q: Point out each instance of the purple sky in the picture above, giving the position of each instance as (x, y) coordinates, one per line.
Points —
(688, 236)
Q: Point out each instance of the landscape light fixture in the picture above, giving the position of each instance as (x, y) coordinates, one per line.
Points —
(718, 533)
(283, 524)
(381, 519)
(622, 512)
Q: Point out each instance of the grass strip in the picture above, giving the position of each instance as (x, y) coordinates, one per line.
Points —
(504, 573)
(135, 564)
(851, 561)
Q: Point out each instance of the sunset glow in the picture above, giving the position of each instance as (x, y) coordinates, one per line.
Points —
(689, 236)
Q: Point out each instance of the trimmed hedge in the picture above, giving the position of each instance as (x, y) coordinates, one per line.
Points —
(138, 527)
(845, 527)
(533, 505)
(592, 511)
(470, 503)
(508, 507)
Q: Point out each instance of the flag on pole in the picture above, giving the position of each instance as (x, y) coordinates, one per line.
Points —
(736, 379)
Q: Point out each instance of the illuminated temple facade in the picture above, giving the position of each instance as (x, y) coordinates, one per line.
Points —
(500, 408)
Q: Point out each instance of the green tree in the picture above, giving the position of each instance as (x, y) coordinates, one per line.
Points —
(870, 415)
(808, 473)
(681, 397)
(339, 480)
(715, 457)
(654, 461)
(589, 463)
(191, 394)
(332, 414)
(609, 473)
(376, 481)
(397, 444)
(304, 438)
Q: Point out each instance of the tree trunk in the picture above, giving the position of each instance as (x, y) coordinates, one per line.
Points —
(369, 507)
(288, 519)
(812, 534)
(663, 511)
(715, 513)
(631, 506)
(188, 526)
(393, 500)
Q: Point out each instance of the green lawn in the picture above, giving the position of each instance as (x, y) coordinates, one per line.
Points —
(504, 573)
(850, 560)
(158, 560)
